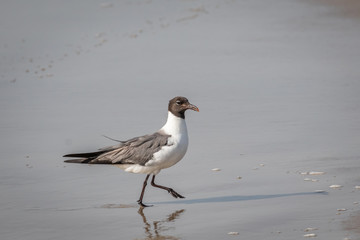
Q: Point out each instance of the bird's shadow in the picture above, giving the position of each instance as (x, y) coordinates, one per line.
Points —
(239, 198)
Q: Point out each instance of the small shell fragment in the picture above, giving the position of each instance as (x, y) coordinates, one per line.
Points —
(335, 186)
(311, 180)
(216, 169)
(312, 173)
(310, 235)
(238, 177)
(342, 209)
(233, 233)
(357, 187)
(316, 173)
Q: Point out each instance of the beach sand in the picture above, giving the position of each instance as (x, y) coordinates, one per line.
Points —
(274, 151)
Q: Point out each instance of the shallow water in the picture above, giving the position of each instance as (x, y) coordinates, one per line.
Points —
(277, 88)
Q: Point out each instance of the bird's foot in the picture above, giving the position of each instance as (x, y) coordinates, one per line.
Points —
(175, 194)
(143, 205)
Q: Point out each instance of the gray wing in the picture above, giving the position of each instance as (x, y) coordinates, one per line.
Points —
(138, 150)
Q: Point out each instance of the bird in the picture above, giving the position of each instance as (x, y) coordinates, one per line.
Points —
(147, 154)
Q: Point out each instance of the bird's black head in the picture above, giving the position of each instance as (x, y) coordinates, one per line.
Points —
(178, 106)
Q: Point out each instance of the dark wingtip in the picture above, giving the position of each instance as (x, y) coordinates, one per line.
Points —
(84, 155)
(76, 161)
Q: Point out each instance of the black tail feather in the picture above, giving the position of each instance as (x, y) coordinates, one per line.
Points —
(80, 160)
(83, 157)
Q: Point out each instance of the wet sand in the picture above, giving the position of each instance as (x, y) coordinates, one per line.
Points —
(274, 151)
(346, 8)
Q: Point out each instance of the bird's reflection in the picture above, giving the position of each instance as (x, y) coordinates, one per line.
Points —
(157, 229)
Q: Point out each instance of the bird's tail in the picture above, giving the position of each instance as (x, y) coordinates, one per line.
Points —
(83, 157)
(80, 160)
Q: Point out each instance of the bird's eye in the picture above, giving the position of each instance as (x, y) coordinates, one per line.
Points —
(178, 102)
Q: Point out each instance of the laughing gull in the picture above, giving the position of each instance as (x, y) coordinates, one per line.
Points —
(148, 154)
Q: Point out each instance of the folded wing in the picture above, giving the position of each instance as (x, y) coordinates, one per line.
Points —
(138, 150)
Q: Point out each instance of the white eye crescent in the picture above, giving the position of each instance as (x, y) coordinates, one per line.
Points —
(178, 102)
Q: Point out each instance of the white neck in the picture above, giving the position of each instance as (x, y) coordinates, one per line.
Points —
(174, 125)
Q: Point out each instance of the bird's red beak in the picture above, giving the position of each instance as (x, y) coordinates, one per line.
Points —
(193, 107)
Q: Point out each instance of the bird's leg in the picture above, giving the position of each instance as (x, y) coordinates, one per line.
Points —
(143, 191)
(170, 190)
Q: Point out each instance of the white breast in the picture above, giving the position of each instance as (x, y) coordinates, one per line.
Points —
(177, 143)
